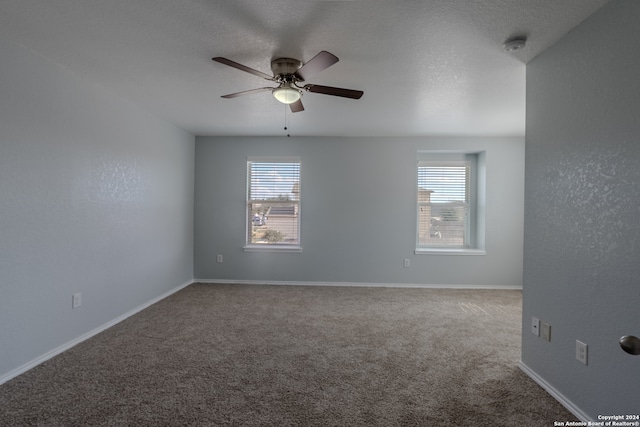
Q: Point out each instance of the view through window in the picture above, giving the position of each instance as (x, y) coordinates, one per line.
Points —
(273, 202)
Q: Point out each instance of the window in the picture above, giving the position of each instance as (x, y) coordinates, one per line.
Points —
(447, 202)
(273, 204)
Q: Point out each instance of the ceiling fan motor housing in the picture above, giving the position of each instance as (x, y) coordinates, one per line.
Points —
(284, 67)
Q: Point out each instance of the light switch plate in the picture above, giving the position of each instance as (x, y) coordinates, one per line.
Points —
(535, 326)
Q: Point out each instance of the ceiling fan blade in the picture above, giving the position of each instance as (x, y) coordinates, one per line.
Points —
(296, 107)
(234, 64)
(321, 61)
(335, 91)
(247, 92)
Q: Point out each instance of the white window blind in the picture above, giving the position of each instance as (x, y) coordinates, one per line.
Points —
(273, 202)
(445, 196)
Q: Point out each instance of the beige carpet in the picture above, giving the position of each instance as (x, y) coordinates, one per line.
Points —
(242, 355)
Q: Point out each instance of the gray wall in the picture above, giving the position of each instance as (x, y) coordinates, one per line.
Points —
(582, 237)
(96, 196)
(358, 208)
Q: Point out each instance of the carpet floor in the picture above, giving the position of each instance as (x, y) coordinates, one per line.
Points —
(253, 355)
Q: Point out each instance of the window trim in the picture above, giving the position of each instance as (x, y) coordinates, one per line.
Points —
(272, 247)
(448, 251)
(475, 223)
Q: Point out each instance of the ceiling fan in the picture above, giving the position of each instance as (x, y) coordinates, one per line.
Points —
(288, 72)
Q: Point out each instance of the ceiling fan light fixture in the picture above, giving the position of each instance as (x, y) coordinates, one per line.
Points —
(287, 94)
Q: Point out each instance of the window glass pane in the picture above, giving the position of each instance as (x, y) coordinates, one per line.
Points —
(269, 181)
(447, 183)
(273, 223)
(446, 225)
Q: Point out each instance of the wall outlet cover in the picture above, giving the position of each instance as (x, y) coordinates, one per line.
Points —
(76, 300)
(581, 352)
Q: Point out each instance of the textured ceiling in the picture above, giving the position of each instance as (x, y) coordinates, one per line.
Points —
(428, 67)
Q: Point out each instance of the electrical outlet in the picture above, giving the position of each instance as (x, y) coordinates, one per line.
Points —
(219, 259)
(76, 300)
(545, 331)
(535, 326)
(407, 263)
(581, 352)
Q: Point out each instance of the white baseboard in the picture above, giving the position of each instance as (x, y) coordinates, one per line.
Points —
(571, 407)
(48, 355)
(353, 284)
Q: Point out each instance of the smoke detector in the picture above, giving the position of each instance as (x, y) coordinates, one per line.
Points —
(515, 43)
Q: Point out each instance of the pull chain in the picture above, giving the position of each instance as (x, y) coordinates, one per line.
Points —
(285, 119)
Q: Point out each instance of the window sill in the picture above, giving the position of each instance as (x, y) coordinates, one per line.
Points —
(273, 248)
(446, 251)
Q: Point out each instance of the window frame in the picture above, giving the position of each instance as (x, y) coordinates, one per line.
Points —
(250, 246)
(474, 220)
